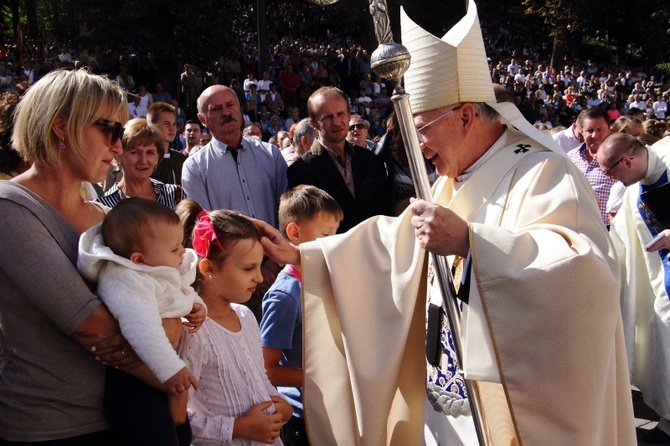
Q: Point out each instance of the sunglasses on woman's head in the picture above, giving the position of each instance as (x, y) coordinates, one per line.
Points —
(112, 128)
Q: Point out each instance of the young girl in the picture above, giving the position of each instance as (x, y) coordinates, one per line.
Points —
(236, 403)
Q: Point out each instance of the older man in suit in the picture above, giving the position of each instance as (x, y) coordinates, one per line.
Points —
(353, 175)
(272, 98)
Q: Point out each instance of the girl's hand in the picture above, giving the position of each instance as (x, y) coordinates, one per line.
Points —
(195, 318)
(283, 407)
(257, 425)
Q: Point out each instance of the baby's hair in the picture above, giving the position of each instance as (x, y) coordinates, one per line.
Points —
(129, 225)
(306, 202)
(230, 227)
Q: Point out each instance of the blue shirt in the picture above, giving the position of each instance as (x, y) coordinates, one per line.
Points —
(281, 327)
(252, 186)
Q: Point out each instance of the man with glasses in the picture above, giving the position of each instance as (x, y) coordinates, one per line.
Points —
(354, 176)
(358, 132)
(622, 157)
(595, 128)
(642, 241)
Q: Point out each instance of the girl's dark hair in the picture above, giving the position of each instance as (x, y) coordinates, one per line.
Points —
(229, 226)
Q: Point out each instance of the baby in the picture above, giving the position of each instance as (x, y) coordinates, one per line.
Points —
(144, 275)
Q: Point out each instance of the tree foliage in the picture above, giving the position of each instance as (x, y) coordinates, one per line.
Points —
(635, 31)
(170, 28)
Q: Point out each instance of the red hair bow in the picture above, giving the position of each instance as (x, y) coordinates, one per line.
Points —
(204, 234)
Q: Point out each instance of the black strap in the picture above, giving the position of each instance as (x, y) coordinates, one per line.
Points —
(433, 335)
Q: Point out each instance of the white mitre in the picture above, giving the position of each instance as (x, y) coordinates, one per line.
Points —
(454, 70)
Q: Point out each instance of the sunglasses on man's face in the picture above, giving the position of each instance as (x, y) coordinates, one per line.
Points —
(356, 126)
(112, 128)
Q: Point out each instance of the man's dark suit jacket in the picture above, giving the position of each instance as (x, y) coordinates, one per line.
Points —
(372, 183)
(168, 170)
(272, 104)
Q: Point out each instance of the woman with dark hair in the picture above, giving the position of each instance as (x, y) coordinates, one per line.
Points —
(391, 148)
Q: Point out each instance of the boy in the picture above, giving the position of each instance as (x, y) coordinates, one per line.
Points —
(164, 116)
(305, 213)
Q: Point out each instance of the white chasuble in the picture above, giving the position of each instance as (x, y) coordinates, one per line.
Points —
(544, 267)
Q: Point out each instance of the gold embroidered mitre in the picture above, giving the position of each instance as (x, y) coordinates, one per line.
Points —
(450, 70)
(454, 69)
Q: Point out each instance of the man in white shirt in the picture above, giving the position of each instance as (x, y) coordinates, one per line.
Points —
(513, 68)
(136, 109)
(570, 138)
(660, 107)
(29, 71)
(264, 85)
(65, 56)
(638, 103)
(363, 100)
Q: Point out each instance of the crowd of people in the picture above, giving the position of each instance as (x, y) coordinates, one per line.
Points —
(167, 287)
(302, 58)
